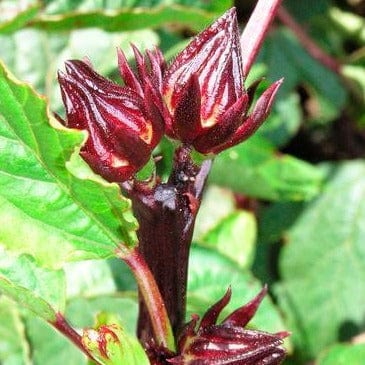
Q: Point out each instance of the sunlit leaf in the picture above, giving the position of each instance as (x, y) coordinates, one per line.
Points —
(127, 18)
(46, 211)
(39, 289)
(234, 237)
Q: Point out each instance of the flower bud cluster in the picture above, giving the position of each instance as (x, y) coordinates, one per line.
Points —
(199, 100)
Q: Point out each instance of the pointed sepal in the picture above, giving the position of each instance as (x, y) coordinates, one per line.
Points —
(257, 117)
(229, 342)
(241, 316)
(224, 129)
(187, 112)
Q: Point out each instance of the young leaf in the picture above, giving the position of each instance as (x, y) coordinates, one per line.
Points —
(322, 264)
(46, 211)
(111, 345)
(39, 289)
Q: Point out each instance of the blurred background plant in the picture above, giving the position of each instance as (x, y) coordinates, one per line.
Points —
(286, 207)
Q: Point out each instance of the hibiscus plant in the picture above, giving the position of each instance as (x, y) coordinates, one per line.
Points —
(200, 101)
(117, 174)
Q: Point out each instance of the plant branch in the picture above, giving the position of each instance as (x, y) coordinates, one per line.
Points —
(166, 215)
(255, 30)
(306, 41)
(152, 297)
(68, 331)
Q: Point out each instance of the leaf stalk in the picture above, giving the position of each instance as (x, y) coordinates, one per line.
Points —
(152, 298)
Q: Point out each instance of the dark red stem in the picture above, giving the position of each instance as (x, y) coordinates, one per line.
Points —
(67, 330)
(306, 41)
(166, 214)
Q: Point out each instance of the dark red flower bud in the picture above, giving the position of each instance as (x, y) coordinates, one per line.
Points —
(149, 70)
(228, 342)
(204, 93)
(124, 122)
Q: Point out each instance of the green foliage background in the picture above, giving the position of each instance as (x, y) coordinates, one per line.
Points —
(300, 183)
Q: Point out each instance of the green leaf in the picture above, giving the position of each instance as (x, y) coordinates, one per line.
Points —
(323, 264)
(14, 348)
(342, 354)
(125, 19)
(46, 211)
(210, 275)
(264, 173)
(14, 15)
(61, 6)
(275, 220)
(234, 237)
(286, 58)
(39, 289)
(305, 11)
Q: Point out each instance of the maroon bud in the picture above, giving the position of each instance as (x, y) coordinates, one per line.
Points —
(204, 93)
(123, 125)
(149, 69)
(229, 342)
(147, 78)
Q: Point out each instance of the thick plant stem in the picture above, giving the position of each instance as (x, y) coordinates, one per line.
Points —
(255, 30)
(166, 214)
(66, 329)
(152, 299)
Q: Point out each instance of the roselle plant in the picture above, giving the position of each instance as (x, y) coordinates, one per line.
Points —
(199, 102)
